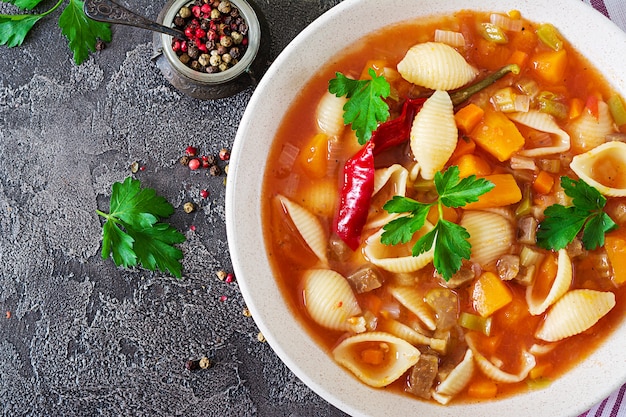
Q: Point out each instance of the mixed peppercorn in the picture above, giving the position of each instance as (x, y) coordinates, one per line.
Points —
(216, 35)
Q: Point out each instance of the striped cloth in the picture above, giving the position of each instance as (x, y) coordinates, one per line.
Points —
(614, 406)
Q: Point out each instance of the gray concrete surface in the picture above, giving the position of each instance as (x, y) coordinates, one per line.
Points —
(85, 338)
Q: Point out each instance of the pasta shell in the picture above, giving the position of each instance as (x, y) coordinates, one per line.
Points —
(561, 284)
(587, 132)
(457, 380)
(491, 235)
(329, 114)
(604, 168)
(575, 312)
(414, 302)
(398, 357)
(434, 134)
(396, 258)
(388, 182)
(330, 301)
(412, 336)
(542, 122)
(320, 197)
(493, 372)
(308, 226)
(436, 66)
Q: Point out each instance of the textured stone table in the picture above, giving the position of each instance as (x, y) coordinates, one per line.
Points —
(78, 336)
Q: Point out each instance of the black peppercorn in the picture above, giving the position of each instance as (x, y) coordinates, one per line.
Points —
(215, 170)
(179, 22)
(193, 52)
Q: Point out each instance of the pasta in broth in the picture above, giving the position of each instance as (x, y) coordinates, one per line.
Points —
(408, 287)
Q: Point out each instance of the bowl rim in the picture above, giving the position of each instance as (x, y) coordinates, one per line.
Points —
(291, 342)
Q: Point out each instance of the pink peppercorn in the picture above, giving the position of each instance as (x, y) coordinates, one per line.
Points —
(223, 298)
(194, 164)
(204, 193)
(229, 277)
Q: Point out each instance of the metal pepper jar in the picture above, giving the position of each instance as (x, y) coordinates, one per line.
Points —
(204, 86)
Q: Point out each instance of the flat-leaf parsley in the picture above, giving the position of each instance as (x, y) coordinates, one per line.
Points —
(133, 234)
(449, 239)
(562, 224)
(365, 107)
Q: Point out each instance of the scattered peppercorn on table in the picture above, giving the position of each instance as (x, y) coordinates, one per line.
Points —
(80, 336)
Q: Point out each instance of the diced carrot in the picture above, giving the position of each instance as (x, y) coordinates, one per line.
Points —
(472, 164)
(540, 370)
(482, 389)
(550, 65)
(489, 294)
(576, 107)
(376, 64)
(498, 135)
(468, 117)
(524, 40)
(464, 146)
(449, 214)
(505, 192)
(372, 356)
(519, 57)
(490, 55)
(372, 303)
(313, 157)
(543, 182)
(615, 246)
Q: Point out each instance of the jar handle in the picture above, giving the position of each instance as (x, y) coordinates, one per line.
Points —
(110, 12)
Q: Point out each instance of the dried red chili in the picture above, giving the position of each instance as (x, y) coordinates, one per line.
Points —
(358, 174)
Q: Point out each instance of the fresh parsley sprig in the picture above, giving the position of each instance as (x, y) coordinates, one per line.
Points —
(365, 107)
(81, 31)
(562, 224)
(449, 239)
(133, 234)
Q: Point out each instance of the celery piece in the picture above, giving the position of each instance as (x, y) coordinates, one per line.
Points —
(618, 111)
(504, 100)
(523, 209)
(538, 383)
(492, 33)
(550, 36)
(549, 103)
(476, 323)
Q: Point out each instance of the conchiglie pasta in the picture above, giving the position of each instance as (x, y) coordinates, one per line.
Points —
(542, 122)
(457, 380)
(330, 114)
(396, 258)
(412, 336)
(308, 226)
(395, 357)
(491, 235)
(537, 304)
(319, 197)
(575, 312)
(434, 134)
(414, 302)
(436, 66)
(493, 372)
(388, 182)
(604, 168)
(587, 131)
(330, 301)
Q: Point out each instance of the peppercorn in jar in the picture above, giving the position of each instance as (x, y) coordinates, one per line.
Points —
(216, 35)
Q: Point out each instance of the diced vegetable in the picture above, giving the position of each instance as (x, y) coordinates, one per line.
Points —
(615, 245)
(472, 164)
(482, 389)
(550, 66)
(528, 87)
(449, 37)
(550, 36)
(313, 158)
(543, 182)
(476, 323)
(463, 94)
(592, 105)
(467, 118)
(364, 279)
(523, 209)
(505, 192)
(550, 103)
(492, 33)
(576, 107)
(423, 375)
(508, 267)
(489, 294)
(506, 22)
(445, 303)
(527, 230)
(498, 135)
(504, 100)
(372, 356)
(519, 58)
(378, 65)
(540, 371)
(618, 111)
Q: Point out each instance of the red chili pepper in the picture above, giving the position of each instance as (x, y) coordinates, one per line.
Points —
(396, 131)
(358, 174)
(356, 192)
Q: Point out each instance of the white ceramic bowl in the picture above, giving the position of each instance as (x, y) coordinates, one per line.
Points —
(593, 35)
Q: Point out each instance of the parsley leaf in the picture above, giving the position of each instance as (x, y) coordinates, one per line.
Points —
(448, 239)
(81, 31)
(365, 107)
(132, 233)
(562, 224)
